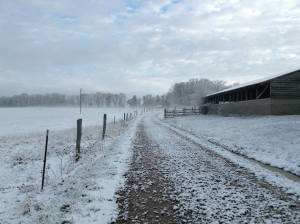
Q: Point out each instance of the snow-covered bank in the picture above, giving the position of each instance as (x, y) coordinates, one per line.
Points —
(73, 192)
(273, 140)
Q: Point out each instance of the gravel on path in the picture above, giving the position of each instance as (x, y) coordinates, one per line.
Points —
(174, 180)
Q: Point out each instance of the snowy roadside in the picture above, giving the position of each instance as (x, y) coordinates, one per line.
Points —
(174, 179)
(177, 125)
(73, 192)
(272, 140)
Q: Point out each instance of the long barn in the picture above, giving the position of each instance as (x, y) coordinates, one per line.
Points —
(274, 95)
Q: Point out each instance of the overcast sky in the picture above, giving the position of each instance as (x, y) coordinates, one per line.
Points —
(140, 47)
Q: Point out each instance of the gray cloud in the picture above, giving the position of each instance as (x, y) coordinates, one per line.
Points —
(142, 46)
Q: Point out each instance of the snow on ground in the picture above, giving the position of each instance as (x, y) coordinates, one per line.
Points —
(84, 191)
(34, 119)
(73, 192)
(176, 177)
(273, 140)
(213, 189)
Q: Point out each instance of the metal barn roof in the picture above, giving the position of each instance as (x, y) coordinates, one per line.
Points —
(258, 81)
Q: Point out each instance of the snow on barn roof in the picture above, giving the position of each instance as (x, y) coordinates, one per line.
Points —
(255, 82)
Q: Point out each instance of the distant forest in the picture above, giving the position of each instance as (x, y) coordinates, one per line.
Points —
(59, 100)
(189, 93)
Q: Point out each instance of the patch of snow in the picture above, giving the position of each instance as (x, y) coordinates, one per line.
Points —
(271, 140)
(73, 192)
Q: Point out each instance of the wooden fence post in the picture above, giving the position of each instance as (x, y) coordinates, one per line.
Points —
(127, 117)
(165, 113)
(45, 159)
(79, 130)
(114, 119)
(104, 126)
(124, 116)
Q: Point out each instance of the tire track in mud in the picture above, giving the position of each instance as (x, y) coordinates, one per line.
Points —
(173, 180)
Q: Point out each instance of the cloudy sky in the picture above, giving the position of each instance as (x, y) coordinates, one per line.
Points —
(140, 47)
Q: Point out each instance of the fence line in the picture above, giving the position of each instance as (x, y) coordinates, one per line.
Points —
(78, 139)
(183, 112)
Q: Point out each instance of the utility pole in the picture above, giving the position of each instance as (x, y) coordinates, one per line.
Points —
(80, 100)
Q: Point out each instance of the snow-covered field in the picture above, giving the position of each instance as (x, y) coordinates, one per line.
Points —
(73, 192)
(273, 140)
(85, 191)
(17, 121)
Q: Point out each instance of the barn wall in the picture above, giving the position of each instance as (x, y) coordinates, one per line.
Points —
(286, 87)
(285, 106)
(284, 100)
(251, 107)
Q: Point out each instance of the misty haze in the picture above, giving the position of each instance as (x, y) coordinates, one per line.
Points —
(135, 111)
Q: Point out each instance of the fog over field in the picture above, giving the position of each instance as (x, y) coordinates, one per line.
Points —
(100, 76)
(142, 47)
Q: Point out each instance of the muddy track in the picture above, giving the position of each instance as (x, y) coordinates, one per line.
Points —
(174, 180)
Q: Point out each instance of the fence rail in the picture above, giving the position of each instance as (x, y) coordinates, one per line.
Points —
(183, 112)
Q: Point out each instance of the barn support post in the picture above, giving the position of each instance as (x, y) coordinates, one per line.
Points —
(262, 92)
(256, 95)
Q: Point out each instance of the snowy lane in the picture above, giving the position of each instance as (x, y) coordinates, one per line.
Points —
(200, 185)
(272, 140)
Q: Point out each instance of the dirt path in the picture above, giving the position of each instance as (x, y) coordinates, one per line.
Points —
(173, 180)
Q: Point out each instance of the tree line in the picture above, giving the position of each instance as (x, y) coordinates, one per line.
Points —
(57, 100)
(193, 92)
(189, 93)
